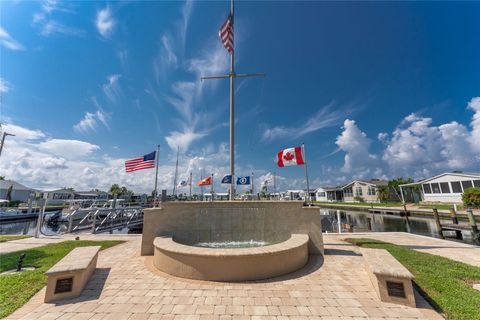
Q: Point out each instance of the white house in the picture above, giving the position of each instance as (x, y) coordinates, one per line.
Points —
(446, 187)
(19, 191)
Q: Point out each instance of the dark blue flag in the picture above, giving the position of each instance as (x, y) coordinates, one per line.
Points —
(243, 180)
(227, 179)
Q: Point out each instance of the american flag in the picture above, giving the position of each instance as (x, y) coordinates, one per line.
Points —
(226, 34)
(145, 162)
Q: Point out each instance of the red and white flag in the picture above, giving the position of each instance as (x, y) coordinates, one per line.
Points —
(226, 34)
(291, 157)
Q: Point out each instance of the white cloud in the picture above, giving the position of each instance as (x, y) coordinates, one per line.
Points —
(23, 133)
(183, 140)
(324, 118)
(416, 148)
(52, 27)
(105, 22)
(91, 121)
(49, 27)
(8, 42)
(47, 163)
(356, 145)
(112, 88)
(474, 105)
(5, 86)
(69, 149)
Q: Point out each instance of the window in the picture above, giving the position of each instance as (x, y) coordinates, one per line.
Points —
(435, 187)
(476, 183)
(321, 194)
(426, 188)
(445, 187)
(371, 191)
(456, 187)
(358, 191)
(467, 184)
(348, 192)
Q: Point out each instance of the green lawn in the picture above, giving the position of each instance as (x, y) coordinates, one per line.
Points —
(439, 206)
(5, 238)
(447, 283)
(16, 290)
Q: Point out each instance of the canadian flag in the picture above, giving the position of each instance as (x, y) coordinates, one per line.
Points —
(290, 157)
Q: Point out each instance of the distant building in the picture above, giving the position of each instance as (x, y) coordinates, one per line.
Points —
(91, 195)
(19, 191)
(352, 192)
(446, 187)
(59, 196)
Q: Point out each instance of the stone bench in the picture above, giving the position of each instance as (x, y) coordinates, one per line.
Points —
(68, 277)
(391, 280)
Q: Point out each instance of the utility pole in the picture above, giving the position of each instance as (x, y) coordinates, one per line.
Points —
(232, 75)
(3, 140)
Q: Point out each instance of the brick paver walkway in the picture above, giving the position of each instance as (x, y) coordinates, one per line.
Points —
(29, 243)
(462, 252)
(335, 286)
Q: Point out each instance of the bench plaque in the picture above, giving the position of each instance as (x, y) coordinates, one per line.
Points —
(396, 289)
(64, 285)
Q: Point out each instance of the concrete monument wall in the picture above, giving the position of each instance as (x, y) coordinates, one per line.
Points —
(270, 221)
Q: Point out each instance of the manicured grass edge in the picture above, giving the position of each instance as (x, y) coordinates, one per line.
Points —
(18, 289)
(442, 281)
(10, 237)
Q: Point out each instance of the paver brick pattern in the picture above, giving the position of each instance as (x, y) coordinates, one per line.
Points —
(335, 286)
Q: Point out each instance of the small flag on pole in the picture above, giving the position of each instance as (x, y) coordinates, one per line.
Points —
(205, 181)
(227, 179)
(243, 180)
(226, 34)
(182, 184)
(140, 163)
(290, 157)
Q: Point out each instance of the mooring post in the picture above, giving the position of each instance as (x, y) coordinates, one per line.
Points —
(453, 215)
(437, 222)
(473, 225)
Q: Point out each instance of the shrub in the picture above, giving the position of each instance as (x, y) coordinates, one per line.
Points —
(471, 197)
(14, 203)
(359, 199)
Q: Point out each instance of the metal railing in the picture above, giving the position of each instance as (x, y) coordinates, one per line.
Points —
(104, 219)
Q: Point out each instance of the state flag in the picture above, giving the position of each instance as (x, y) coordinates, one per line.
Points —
(290, 157)
(227, 179)
(205, 181)
(243, 180)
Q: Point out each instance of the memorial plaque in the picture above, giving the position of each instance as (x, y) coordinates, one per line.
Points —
(396, 289)
(64, 285)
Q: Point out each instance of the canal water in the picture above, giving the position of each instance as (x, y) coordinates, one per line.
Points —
(350, 221)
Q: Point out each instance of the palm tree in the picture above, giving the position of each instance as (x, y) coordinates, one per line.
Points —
(383, 193)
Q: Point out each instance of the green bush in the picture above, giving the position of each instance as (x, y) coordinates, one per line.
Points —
(471, 198)
(14, 203)
(359, 199)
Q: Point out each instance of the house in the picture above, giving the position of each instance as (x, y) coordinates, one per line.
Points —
(362, 190)
(19, 191)
(354, 191)
(329, 194)
(446, 187)
(59, 196)
(91, 195)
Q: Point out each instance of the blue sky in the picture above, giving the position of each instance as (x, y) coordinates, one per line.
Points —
(373, 89)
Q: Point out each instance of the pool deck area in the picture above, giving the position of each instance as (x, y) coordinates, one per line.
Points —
(335, 286)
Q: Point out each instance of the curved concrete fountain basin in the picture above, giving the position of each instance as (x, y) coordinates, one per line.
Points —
(237, 264)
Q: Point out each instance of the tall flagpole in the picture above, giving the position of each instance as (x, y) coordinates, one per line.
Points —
(175, 178)
(157, 156)
(307, 196)
(232, 115)
(190, 186)
(232, 75)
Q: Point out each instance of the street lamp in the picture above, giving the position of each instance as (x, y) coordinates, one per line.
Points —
(3, 140)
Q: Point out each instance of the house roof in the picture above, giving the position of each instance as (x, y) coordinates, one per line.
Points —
(5, 184)
(371, 182)
(458, 174)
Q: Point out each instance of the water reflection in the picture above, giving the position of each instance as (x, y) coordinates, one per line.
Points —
(355, 221)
